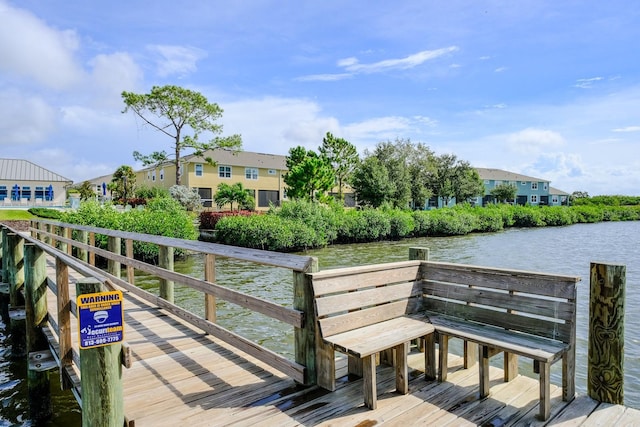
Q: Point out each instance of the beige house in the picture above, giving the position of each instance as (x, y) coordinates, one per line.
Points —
(261, 174)
(25, 184)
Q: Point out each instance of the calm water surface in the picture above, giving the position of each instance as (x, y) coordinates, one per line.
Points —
(563, 250)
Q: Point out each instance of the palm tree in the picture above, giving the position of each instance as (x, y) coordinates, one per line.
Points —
(230, 194)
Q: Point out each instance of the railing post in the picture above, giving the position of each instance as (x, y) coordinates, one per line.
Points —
(101, 376)
(605, 371)
(47, 238)
(165, 260)
(63, 246)
(83, 254)
(305, 337)
(113, 246)
(92, 243)
(419, 254)
(210, 276)
(64, 321)
(128, 246)
(4, 286)
(3, 275)
(35, 284)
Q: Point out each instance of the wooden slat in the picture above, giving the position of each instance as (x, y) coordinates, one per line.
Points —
(508, 280)
(359, 318)
(354, 278)
(292, 261)
(512, 321)
(525, 345)
(380, 336)
(526, 303)
(342, 302)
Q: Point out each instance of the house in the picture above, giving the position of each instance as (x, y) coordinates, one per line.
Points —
(534, 191)
(261, 174)
(25, 184)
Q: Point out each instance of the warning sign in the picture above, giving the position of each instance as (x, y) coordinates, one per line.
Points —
(100, 319)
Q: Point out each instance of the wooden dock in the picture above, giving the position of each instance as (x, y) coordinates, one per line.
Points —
(185, 371)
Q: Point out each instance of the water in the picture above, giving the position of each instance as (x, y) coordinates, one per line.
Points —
(563, 250)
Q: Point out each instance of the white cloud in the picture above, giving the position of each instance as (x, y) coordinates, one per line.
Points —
(587, 83)
(500, 69)
(354, 66)
(29, 48)
(324, 77)
(533, 141)
(25, 118)
(628, 129)
(111, 74)
(177, 60)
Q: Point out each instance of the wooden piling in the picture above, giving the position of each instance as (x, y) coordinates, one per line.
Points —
(605, 370)
(101, 375)
(15, 267)
(306, 338)
(35, 284)
(165, 260)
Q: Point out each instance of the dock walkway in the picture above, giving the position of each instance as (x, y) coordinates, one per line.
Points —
(182, 376)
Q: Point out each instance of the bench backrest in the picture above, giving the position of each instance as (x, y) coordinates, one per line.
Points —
(533, 303)
(350, 298)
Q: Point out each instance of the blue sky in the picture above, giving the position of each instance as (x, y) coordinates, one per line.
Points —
(544, 88)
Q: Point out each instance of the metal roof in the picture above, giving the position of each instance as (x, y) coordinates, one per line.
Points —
(502, 175)
(24, 170)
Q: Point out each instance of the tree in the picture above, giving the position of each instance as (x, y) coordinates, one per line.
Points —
(504, 192)
(187, 197)
(309, 175)
(230, 194)
(343, 157)
(371, 182)
(86, 190)
(123, 183)
(176, 111)
(442, 177)
(467, 182)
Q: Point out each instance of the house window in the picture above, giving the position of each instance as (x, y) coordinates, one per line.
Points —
(534, 198)
(153, 176)
(199, 169)
(26, 192)
(148, 175)
(534, 185)
(161, 174)
(554, 199)
(251, 173)
(3, 192)
(498, 183)
(224, 171)
(272, 171)
(524, 183)
(545, 187)
(39, 194)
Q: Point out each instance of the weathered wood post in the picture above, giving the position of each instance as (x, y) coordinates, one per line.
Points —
(210, 276)
(128, 248)
(101, 376)
(35, 284)
(114, 246)
(15, 267)
(605, 371)
(165, 260)
(4, 285)
(306, 337)
(82, 253)
(63, 246)
(47, 238)
(422, 254)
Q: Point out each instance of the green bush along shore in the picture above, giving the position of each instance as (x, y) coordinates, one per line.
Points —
(300, 225)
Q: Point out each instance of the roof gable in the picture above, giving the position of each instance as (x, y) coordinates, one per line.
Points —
(502, 175)
(24, 170)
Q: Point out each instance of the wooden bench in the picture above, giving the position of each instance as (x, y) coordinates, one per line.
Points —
(515, 312)
(362, 311)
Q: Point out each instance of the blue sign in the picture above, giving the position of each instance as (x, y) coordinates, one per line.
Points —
(100, 319)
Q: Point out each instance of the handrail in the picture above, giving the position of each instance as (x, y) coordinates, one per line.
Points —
(298, 370)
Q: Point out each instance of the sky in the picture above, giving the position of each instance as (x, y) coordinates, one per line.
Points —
(545, 88)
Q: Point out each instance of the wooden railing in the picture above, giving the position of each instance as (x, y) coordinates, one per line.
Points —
(67, 237)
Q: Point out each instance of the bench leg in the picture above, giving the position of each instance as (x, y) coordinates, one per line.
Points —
(510, 366)
(369, 382)
(443, 356)
(354, 366)
(386, 357)
(430, 357)
(325, 366)
(484, 370)
(569, 375)
(545, 391)
(402, 370)
(470, 354)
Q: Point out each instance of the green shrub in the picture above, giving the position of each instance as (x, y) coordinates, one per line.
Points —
(588, 214)
(320, 217)
(489, 219)
(527, 216)
(452, 222)
(367, 225)
(401, 222)
(46, 213)
(558, 215)
(423, 223)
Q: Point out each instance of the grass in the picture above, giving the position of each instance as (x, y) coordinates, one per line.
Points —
(15, 215)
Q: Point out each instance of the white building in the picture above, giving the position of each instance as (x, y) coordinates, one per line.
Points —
(26, 184)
